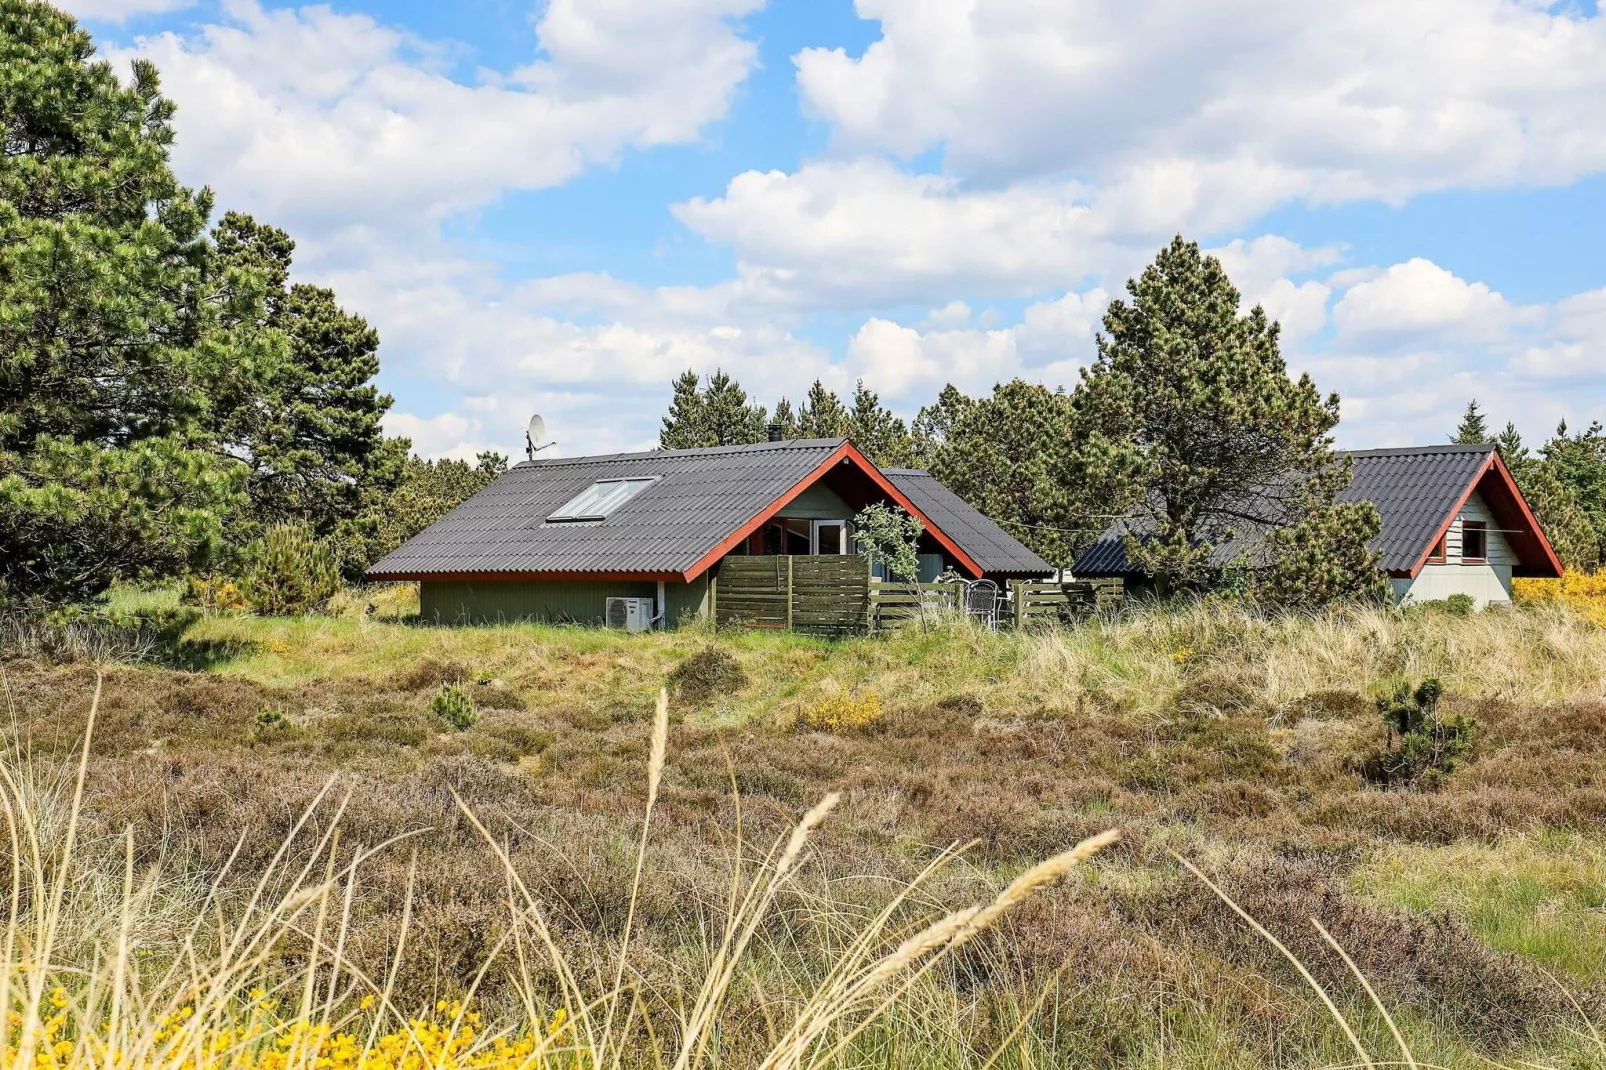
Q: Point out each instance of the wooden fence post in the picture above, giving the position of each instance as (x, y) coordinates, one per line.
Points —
(1017, 591)
(713, 598)
(789, 592)
(871, 621)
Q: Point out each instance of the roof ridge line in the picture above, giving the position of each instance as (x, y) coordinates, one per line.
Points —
(698, 451)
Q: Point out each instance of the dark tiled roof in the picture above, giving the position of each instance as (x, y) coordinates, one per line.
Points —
(1414, 488)
(700, 498)
(989, 545)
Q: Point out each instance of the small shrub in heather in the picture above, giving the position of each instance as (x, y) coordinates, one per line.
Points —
(708, 673)
(454, 706)
(1422, 748)
(843, 712)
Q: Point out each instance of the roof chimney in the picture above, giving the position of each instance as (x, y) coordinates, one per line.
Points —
(774, 431)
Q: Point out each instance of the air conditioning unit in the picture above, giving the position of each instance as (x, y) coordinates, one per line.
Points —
(629, 614)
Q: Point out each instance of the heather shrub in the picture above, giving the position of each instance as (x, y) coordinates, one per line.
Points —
(289, 570)
(710, 672)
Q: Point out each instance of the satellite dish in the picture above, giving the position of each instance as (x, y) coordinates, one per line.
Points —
(533, 435)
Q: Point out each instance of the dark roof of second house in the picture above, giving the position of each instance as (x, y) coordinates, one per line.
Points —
(993, 548)
(698, 498)
(1416, 490)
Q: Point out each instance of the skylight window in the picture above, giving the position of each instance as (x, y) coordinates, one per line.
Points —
(599, 499)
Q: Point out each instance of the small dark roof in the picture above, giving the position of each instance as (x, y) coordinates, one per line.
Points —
(1415, 489)
(989, 545)
(701, 497)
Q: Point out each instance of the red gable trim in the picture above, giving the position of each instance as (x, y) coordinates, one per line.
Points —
(850, 454)
(1550, 567)
(1550, 564)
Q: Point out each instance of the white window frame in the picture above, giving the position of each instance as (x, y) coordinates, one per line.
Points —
(814, 534)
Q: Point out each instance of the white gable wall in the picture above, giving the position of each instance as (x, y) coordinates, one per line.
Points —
(1487, 582)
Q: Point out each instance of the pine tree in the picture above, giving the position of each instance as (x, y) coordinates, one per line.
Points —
(1198, 396)
(1474, 430)
(878, 434)
(684, 426)
(822, 414)
(1512, 451)
(713, 414)
(1554, 504)
(784, 421)
(1578, 461)
(309, 429)
(1011, 455)
(110, 351)
(935, 425)
(728, 419)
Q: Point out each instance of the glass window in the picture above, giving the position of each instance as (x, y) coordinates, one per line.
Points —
(600, 499)
(1474, 541)
(1437, 553)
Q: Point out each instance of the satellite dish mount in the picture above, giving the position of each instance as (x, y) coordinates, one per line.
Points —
(534, 433)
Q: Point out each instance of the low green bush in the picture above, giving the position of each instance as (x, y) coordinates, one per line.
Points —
(455, 706)
(289, 570)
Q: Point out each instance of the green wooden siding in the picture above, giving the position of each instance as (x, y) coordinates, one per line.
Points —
(552, 601)
(685, 600)
(817, 502)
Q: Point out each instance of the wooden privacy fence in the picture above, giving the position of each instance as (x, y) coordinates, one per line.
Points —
(1045, 601)
(894, 603)
(825, 594)
(833, 595)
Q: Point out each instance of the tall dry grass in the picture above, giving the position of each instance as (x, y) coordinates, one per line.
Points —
(262, 981)
(1146, 660)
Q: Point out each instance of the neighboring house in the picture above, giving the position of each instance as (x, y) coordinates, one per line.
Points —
(1454, 522)
(554, 539)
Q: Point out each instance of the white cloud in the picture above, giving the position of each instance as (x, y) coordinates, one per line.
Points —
(1420, 297)
(1077, 136)
(864, 234)
(1050, 343)
(1260, 269)
(1413, 343)
(448, 435)
(1329, 102)
(325, 121)
(953, 315)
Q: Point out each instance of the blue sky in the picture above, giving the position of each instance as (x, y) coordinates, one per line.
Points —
(557, 206)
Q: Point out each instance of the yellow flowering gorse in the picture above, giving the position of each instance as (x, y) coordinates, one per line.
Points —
(843, 711)
(1584, 591)
(258, 1039)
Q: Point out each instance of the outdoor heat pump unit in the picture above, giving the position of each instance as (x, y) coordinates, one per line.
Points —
(629, 614)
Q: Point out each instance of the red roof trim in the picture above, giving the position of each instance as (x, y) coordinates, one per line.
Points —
(846, 452)
(476, 577)
(1497, 465)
